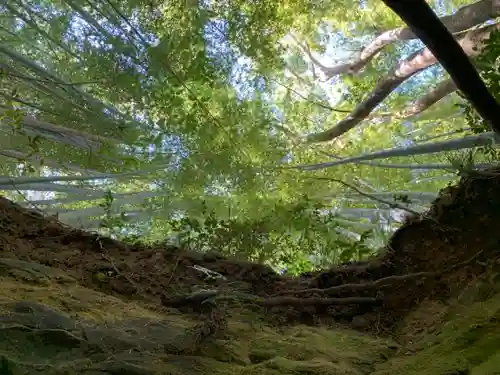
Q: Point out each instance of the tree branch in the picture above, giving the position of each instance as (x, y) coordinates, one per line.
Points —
(305, 48)
(463, 19)
(454, 58)
(442, 89)
(368, 195)
(318, 103)
(471, 45)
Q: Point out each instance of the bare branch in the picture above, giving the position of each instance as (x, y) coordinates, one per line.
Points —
(443, 89)
(452, 56)
(313, 69)
(318, 103)
(471, 141)
(471, 44)
(49, 162)
(463, 19)
(453, 132)
(307, 50)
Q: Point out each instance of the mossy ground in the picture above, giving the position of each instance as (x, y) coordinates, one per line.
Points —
(51, 325)
(461, 336)
(469, 344)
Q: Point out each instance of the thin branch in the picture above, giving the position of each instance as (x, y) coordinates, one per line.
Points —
(126, 20)
(368, 195)
(442, 89)
(472, 141)
(37, 28)
(453, 132)
(26, 78)
(118, 272)
(447, 167)
(322, 105)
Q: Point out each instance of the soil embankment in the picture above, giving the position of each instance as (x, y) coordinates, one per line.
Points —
(72, 302)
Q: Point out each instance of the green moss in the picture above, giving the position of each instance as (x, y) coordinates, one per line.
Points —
(49, 324)
(279, 365)
(61, 292)
(489, 367)
(468, 339)
(302, 343)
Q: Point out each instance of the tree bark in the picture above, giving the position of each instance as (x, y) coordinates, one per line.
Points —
(48, 162)
(443, 89)
(434, 95)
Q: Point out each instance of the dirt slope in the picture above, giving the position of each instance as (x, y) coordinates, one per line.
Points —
(72, 302)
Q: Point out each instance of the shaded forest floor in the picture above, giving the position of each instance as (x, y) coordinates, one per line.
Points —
(104, 299)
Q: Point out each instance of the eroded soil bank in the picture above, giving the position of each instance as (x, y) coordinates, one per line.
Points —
(73, 302)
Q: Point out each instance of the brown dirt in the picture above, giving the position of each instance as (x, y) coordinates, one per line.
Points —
(428, 258)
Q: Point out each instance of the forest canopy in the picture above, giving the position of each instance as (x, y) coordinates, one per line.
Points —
(292, 133)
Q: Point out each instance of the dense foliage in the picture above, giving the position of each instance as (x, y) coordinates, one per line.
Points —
(195, 120)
